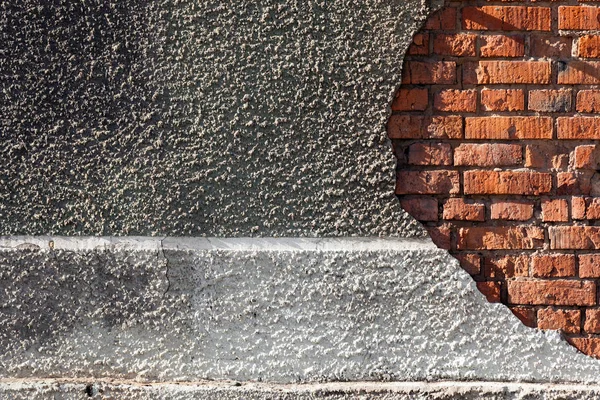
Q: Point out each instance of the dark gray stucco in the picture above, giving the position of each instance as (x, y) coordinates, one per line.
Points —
(201, 117)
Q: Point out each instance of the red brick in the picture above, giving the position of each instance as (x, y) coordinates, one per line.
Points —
(554, 292)
(500, 238)
(411, 100)
(491, 291)
(458, 209)
(422, 208)
(556, 210)
(553, 266)
(588, 46)
(546, 155)
(470, 262)
(579, 73)
(588, 101)
(430, 154)
(502, 100)
(586, 157)
(427, 73)
(508, 128)
(506, 72)
(574, 183)
(419, 45)
(508, 18)
(427, 182)
(592, 321)
(589, 265)
(456, 100)
(419, 127)
(502, 46)
(550, 46)
(578, 207)
(550, 100)
(568, 321)
(507, 182)
(578, 18)
(574, 237)
(512, 210)
(502, 267)
(458, 45)
(444, 19)
(526, 315)
(578, 128)
(589, 346)
(488, 155)
(441, 236)
(592, 208)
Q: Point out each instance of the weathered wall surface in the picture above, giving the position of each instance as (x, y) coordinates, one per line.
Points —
(196, 118)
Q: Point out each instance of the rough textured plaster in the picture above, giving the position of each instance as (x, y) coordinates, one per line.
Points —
(179, 310)
(61, 389)
(193, 118)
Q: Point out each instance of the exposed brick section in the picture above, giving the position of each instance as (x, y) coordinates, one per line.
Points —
(568, 321)
(555, 292)
(502, 100)
(488, 155)
(508, 128)
(496, 129)
(507, 182)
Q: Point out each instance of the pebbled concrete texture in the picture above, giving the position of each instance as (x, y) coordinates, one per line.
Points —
(61, 389)
(201, 118)
(314, 310)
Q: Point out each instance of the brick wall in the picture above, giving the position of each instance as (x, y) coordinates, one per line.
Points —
(495, 132)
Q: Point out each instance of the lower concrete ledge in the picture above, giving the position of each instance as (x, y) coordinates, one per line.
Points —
(267, 310)
(447, 390)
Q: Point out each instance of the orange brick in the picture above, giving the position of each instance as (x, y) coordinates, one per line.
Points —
(455, 100)
(458, 45)
(507, 182)
(589, 346)
(592, 321)
(506, 72)
(411, 100)
(508, 18)
(553, 266)
(512, 210)
(448, 127)
(578, 128)
(419, 127)
(550, 46)
(527, 315)
(550, 100)
(592, 207)
(444, 19)
(500, 238)
(589, 265)
(578, 18)
(470, 262)
(556, 210)
(508, 128)
(502, 46)
(422, 208)
(588, 101)
(502, 267)
(546, 155)
(588, 46)
(579, 73)
(488, 155)
(502, 100)
(555, 292)
(441, 236)
(574, 183)
(491, 290)
(574, 237)
(568, 321)
(419, 45)
(458, 209)
(427, 182)
(578, 206)
(430, 154)
(586, 157)
(426, 73)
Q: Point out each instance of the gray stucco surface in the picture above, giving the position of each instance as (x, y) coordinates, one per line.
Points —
(261, 310)
(201, 118)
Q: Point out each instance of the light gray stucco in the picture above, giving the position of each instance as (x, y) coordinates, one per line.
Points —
(201, 118)
(312, 310)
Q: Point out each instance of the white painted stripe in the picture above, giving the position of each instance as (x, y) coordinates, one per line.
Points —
(211, 243)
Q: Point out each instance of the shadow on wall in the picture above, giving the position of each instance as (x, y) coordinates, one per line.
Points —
(495, 132)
